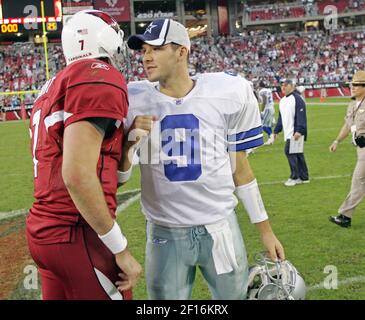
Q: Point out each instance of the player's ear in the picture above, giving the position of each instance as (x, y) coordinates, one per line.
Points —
(183, 53)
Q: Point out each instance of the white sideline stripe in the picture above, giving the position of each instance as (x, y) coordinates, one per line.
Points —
(311, 178)
(323, 129)
(127, 203)
(22, 212)
(328, 103)
(333, 177)
(128, 191)
(13, 214)
(339, 283)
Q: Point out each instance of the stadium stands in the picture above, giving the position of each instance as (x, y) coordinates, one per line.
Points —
(342, 5)
(23, 68)
(298, 9)
(310, 57)
(277, 12)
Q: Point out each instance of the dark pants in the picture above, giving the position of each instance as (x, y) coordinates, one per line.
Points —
(298, 167)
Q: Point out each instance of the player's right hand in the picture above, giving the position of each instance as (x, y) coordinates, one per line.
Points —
(333, 146)
(138, 132)
(141, 127)
(273, 246)
(131, 270)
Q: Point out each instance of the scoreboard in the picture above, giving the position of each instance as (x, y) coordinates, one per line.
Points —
(23, 16)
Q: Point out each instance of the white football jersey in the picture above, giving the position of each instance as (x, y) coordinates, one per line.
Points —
(186, 175)
(266, 92)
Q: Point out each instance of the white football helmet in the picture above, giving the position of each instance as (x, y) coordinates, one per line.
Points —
(93, 34)
(269, 280)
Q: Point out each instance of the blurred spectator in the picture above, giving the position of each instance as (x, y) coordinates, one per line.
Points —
(2, 112)
(24, 69)
(311, 58)
(296, 9)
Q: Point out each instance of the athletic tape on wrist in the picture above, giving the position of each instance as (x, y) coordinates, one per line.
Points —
(114, 239)
(249, 195)
(123, 176)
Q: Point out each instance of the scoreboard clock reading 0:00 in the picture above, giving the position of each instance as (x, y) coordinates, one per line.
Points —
(19, 27)
(24, 16)
(10, 28)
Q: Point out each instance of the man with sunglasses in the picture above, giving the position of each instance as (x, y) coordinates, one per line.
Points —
(354, 123)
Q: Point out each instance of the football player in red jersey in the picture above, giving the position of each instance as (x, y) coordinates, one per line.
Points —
(76, 134)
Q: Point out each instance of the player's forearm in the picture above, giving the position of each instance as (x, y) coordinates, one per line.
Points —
(127, 158)
(264, 227)
(241, 169)
(125, 166)
(344, 132)
(87, 194)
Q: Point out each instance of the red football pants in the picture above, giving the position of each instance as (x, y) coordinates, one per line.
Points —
(82, 269)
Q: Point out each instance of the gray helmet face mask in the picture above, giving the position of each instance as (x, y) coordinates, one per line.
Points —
(270, 280)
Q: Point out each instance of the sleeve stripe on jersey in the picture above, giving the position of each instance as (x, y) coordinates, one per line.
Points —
(246, 145)
(245, 134)
(247, 140)
(56, 117)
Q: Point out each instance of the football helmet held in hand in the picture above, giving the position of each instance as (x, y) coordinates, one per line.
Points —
(270, 280)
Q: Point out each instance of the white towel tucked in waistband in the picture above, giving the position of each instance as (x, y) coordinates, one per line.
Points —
(223, 250)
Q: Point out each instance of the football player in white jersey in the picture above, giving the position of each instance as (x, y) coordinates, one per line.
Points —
(267, 109)
(192, 162)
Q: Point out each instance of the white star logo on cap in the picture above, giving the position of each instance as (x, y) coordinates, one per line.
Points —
(150, 27)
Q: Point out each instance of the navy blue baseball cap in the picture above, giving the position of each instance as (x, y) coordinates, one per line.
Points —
(159, 33)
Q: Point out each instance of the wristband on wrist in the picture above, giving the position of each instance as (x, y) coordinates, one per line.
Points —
(336, 141)
(249, 195)
(114, 239)
(123, 176)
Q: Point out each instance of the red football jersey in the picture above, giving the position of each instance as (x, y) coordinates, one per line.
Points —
(84, 89)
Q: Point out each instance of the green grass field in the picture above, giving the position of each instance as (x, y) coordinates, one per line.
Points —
(299, 215)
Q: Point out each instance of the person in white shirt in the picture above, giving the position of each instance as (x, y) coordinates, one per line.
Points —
(267, 110)
(293, 121)
(193, 133)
